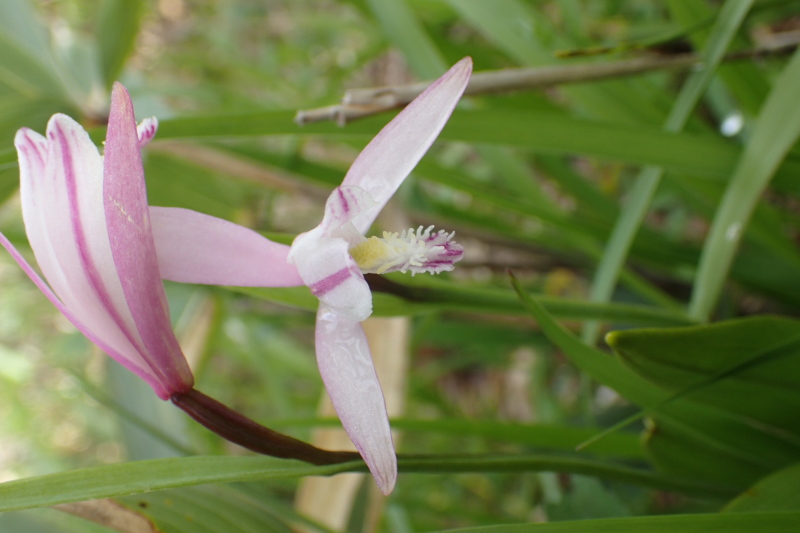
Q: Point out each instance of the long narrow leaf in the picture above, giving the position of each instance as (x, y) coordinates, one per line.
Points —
(144, 476)
(776, 131)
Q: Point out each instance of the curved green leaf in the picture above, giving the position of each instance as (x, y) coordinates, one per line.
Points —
(145, 476)
(777, 492)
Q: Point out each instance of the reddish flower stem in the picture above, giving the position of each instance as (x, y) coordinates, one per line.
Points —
(240, 430)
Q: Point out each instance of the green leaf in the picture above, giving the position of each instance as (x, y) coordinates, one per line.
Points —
(539, 436)
(735, 441)
(748, 366)
(187, 510)
(679, 450)
(144, 476)
(409, 297)
(777, 522)
(703, 156)
(117, 28)
(777, 492)
(509, 24)
(26, 64)
(776, 131)
(403, 29)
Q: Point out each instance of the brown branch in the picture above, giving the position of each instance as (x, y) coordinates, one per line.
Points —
(358, 103)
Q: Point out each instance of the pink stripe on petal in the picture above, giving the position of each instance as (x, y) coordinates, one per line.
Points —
(146, 130)
(326, 285)
(388, 159)
(345, 365)
(132, 246)
(88, 261)
(197, 248)
(48, 214)
(32, 150)
(325, 265)
(344, 204)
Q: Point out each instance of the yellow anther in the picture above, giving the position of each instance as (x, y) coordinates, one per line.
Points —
(371, 254)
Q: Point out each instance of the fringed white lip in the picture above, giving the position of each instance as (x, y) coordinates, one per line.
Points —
(418, 251)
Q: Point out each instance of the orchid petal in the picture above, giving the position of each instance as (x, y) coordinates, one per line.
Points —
(344, 204)
(326, 267)
(132, 247)
(60, 188)
(197, 248)
(346, 368)
(395, 151)
(143, 372)
(146, 130)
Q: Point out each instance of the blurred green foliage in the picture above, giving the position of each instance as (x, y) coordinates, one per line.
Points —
(548, 183)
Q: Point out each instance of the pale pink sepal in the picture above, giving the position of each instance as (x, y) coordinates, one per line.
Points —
(386, 161)
(197, 248)
(128, 224)
(346, 368)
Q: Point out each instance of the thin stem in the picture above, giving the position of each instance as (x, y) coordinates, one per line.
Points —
(239, 429)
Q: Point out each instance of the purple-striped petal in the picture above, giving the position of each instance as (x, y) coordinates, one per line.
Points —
(395, 151)
(134, 254)
(344, 204)
(146, 130)
(197, 248)
(326, 267)
(61, 192)
(346, 367)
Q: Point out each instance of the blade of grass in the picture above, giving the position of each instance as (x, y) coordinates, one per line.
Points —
(641, 195)
(117, 28)
(144, 476)
(776, 131)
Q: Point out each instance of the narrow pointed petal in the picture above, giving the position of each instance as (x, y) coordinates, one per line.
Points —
(197, 248)
(325, 265)
(346, 367)
(132, 247)
(395, 151)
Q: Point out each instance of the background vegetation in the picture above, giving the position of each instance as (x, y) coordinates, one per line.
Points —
(661, 206)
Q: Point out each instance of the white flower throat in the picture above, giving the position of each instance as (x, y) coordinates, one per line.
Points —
(416, 251)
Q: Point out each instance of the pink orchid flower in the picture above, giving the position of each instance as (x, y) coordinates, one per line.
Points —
(92, 232)
(104, 251)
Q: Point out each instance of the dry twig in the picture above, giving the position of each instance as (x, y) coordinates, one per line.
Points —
(358, 103)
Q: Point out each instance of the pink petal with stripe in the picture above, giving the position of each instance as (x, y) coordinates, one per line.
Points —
(134, 254)
(389, 158)
(326, 267)
(61, 191)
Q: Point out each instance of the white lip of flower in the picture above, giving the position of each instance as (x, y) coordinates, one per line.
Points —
(416, 251)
